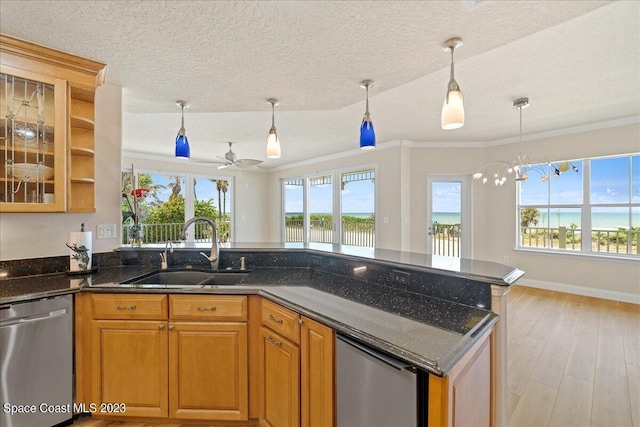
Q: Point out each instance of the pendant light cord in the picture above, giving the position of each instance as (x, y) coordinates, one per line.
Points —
(366, 113)
(273, 113)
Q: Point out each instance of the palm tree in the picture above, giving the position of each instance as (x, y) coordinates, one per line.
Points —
(529, 216)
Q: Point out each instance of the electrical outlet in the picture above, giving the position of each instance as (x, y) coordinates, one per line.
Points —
(401, 277)
(106, 231)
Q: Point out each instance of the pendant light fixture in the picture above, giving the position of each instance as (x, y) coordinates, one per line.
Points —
(273, 143)
(182, 143)
(367, 133)
(453, 108)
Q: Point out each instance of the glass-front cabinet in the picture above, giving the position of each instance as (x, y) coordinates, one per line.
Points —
(47, 141)
(32, 155)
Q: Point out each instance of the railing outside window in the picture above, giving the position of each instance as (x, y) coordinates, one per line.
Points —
(161, 233)
(354, 232)
(620, 241)
(446, 239)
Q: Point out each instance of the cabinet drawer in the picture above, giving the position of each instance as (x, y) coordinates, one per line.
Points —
(205, 307)
(281, 320)
(127, 306)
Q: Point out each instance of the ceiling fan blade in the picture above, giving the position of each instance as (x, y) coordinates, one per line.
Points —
(248, 162)
(208, 162)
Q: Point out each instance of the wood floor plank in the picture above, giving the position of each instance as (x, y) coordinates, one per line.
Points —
(634, 397)
(582, 358)
(573, 404)
(522, 364)
(534, 406)
(553, 360)
(611, 404)
(589, 318)
(611, 352)
(545, 323)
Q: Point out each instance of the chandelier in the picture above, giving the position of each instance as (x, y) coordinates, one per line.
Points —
(523, 165)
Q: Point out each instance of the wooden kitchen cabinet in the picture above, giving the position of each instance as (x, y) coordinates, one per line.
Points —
(317, 368)
(279, 380)
(49, 144)
(297, 370)
(130, 366)
(208, 358)
(170, 357)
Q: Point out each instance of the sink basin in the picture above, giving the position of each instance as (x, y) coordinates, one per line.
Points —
(186, 278)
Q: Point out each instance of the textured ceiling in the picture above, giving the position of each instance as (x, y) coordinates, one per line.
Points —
(578, 62)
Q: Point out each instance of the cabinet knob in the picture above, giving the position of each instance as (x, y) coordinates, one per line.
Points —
(272, 341)
(171, 327)
(300, 321)
(125, 307)
(160, 327)
(207, 308)
(274, 319)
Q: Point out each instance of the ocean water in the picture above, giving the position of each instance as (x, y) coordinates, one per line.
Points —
(599, 220)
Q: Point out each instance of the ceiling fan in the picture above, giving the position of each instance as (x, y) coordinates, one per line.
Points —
(231, 159)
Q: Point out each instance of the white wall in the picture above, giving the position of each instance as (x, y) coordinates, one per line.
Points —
(251, 199)
(37, 235)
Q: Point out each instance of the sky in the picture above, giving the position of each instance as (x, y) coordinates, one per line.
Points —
(357, 197)
(609, 184)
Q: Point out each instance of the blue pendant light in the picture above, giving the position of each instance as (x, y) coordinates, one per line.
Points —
(367, 133)
(182, 143)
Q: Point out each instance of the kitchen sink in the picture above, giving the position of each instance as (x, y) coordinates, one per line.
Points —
(186, 278)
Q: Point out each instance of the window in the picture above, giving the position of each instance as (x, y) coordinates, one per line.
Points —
(156, 207)
(311, 203)
(592, 207)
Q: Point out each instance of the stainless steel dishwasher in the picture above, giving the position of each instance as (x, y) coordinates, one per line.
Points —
(36, 363)
(377, 390)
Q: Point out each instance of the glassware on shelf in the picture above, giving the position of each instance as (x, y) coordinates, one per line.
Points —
(27, 158)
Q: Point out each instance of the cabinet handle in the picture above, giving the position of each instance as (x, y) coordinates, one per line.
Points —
(171, 327)
(274, 319)
(160, 327)
(124, 307)
(278, 343)
(207, 308)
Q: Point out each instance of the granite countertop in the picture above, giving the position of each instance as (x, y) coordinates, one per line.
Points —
(485, 271)
(428, 332)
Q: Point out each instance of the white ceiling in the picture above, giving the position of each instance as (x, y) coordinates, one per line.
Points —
(577, 61)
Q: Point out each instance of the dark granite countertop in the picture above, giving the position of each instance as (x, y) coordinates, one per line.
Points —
(428, 332)
(485, 271)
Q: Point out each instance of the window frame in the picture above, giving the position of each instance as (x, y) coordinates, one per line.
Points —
(336, 175)
(189, 197)
(586, 207)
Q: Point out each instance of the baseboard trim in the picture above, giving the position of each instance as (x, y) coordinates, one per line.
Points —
(581, 290)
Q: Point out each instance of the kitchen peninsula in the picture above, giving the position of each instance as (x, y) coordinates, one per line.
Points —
(438, 317)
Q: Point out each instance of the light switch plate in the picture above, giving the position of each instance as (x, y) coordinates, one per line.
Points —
(106, 231)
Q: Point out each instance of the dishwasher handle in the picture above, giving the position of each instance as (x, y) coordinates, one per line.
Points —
(391, 361)
(33, 318)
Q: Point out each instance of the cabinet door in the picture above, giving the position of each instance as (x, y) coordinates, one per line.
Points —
(317, 372)
(32, 141)
(130, 366)
(279, 381)
(208, 373)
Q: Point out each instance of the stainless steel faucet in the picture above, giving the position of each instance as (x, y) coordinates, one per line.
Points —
(165, 261)
(214, 258)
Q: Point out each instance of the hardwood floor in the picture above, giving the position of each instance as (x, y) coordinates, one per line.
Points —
(572, 361)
